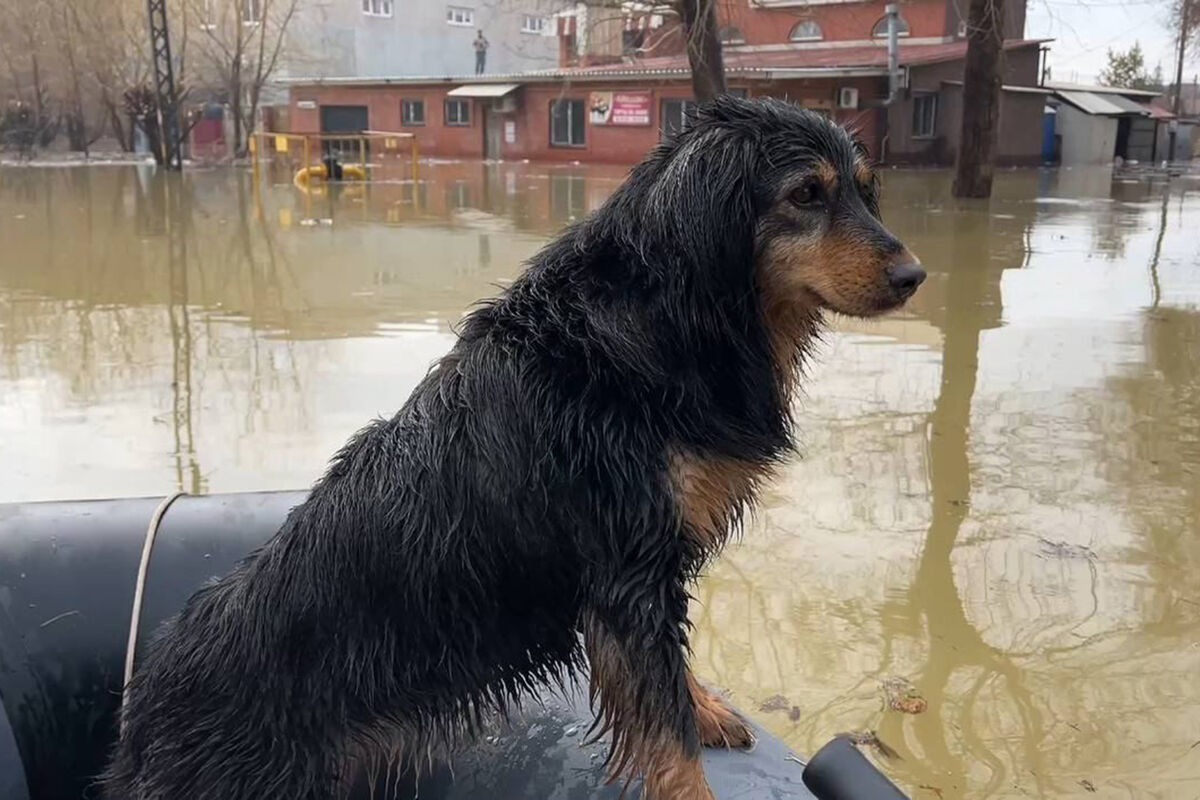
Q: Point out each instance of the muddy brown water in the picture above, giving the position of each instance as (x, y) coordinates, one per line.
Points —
(998, 510)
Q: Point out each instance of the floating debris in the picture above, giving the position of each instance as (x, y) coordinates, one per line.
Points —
(900, 695)
(778, 702)
(775, 702)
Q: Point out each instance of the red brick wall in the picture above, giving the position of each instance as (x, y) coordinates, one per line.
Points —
(614, 144)
(838, 22)
(383, 114)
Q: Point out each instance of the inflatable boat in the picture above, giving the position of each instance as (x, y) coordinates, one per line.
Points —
(83, 585)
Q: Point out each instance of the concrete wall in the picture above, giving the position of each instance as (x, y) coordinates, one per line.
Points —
(1086, 139)
(339, 40)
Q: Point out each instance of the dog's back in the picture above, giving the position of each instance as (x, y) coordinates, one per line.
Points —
(595, 434)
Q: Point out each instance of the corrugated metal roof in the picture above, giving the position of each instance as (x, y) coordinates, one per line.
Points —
(1127, 105)
(1091, 103)
(1105, 90)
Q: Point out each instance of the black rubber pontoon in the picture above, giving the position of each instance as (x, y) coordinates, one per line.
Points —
(67, 577)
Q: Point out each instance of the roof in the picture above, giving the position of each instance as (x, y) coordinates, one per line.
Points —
(1010, 88)
(1093, 104)
(482, 90)
(833, 61)
(1158, 113)
(1080, 87)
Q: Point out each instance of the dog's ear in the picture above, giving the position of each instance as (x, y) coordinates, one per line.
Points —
(702, 201)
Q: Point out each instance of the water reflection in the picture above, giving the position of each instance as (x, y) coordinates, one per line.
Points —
(1001, 490)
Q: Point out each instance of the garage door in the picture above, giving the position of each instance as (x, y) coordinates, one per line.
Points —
(343, 119)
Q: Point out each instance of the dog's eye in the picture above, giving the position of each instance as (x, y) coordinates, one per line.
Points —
(808, 195)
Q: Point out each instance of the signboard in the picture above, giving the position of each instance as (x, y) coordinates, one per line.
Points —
(510, 132)
(306, 104)
(619, 108)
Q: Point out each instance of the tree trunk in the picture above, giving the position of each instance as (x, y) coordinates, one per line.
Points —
(1185, 23)
(703, 47)
(981, 99)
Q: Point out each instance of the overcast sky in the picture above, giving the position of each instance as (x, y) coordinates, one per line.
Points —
(1084, 29)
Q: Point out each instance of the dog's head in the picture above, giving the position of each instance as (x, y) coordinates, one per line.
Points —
(766, 186)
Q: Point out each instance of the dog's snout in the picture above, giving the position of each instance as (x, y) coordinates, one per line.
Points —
(905, 278)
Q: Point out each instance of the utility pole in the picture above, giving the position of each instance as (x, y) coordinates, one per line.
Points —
(164, 84)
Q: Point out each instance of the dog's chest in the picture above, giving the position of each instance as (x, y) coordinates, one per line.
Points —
(711, 492)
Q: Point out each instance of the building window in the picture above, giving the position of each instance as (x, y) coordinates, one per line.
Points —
(532, 24)
(806, 31)
(412, 112)
(456, 15)
(924, 115)
(251, 12)
(208, 16)
(731, 35)
(377, 8)
(458, 112)
(673, 116)
(566, 123)
(880, 28)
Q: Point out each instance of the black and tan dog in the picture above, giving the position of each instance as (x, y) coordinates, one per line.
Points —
(595, 435)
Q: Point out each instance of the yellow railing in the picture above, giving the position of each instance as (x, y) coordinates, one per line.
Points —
(305, 146)
(356, 145)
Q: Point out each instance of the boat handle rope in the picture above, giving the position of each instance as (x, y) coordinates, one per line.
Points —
(139, 588)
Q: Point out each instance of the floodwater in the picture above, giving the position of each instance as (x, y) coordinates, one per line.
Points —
(999, 501)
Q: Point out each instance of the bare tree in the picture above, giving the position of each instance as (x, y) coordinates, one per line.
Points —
(981, 99)
(1185, 21)
(703, 47)
(238, 47)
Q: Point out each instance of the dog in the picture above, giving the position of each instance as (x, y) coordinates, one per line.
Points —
(543, 499)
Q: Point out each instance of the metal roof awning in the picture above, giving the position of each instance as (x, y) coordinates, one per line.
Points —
(1091, 103)
(1127, 105)
(483, 90)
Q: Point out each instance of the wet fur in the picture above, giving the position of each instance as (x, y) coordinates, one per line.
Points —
(596, 434)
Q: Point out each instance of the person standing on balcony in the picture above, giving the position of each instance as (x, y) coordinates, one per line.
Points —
(481, 47)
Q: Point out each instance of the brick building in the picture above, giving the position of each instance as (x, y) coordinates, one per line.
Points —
(623, 82)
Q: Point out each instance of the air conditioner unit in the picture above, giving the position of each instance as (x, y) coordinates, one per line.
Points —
(847, 97)
(505, 105)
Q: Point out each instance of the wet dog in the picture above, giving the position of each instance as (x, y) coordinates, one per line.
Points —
(541, 502)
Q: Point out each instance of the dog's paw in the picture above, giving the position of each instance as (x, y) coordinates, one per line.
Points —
(720, 725)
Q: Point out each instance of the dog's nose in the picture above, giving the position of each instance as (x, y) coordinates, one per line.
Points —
(905, 278)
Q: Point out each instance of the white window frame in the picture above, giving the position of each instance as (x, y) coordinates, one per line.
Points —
(820, 34)
(208, 16)
(460, 16)
(881, 23)
(377, 8)
(411, 101)
(532, 23)
(252, 12)
(582, 106)
(464, 107)
(932, 132)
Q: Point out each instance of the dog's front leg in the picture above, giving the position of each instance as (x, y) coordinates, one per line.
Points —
(719, 725)
(640, 690)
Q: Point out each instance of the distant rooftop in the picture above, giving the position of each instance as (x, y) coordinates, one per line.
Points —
(1062, 86)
